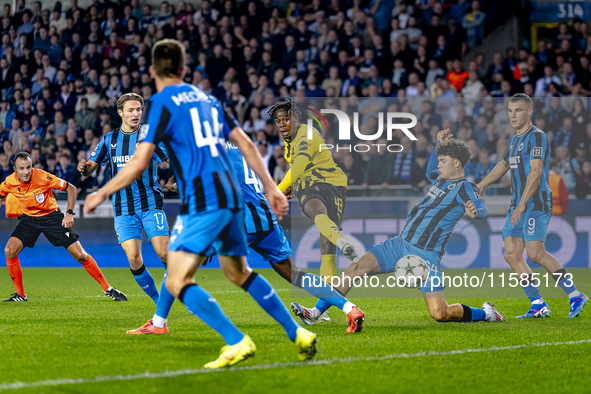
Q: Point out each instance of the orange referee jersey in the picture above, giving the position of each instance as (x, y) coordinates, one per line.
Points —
(34, 198)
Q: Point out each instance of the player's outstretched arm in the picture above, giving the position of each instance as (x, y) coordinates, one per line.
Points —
(124, 178)
(497, 173)
(276, 199)
(432, 173)
(72, 194)
(474, 206)
(3, 190)
(99, 155)
(86, 168)
(476, 211)
(285, 184)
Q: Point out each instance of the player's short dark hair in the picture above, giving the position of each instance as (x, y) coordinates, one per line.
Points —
(168, 58)
(22, 156)
(521, 97)
(129, 97)
(455, 149)
(290, 106)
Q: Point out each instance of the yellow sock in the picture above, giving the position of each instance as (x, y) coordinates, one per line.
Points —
(328, 267)
(328, 228)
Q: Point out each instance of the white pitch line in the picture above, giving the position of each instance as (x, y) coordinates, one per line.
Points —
(170, 374)
(140, 295)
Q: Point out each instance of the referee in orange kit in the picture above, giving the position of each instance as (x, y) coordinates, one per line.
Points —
(41, 214)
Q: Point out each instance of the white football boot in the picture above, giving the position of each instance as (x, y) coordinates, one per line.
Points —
(308, 316)
(492, 314)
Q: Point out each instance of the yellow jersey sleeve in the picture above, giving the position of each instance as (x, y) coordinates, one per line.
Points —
(286, 182)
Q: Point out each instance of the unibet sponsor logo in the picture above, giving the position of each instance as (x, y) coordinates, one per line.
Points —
(435, 192)
(514, 161)
(121, 161)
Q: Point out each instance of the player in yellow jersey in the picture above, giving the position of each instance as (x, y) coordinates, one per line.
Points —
(316, 181)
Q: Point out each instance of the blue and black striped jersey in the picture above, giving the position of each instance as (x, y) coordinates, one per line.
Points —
(531, 145)
(193, 127)
(431, 221)
(144, 194)
(257, 214)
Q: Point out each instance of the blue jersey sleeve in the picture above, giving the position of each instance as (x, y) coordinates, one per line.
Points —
(101, 153)
(155, 123)
(231, 120)
(160, 153)
(469, 192)
(432, 173)
(539, 146)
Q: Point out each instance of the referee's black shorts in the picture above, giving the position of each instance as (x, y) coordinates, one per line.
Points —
(30, 227)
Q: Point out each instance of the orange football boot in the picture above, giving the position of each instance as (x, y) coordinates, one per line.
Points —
(355, 320)
(150, 328)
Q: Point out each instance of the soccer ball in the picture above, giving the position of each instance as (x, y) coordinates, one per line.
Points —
(411, 271)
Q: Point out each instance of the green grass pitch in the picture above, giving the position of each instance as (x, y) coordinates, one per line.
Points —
(68, 338)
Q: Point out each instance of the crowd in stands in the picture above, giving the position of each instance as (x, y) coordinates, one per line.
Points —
(63, 69)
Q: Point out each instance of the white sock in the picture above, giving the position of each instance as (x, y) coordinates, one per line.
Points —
(539, 301)
(487, 314)
(158, 321)
(575, 293)
(348, 307)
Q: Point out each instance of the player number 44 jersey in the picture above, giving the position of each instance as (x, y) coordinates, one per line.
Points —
(192, 126)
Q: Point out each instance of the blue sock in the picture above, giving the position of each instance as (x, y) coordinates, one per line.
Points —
(532, 292)
(314, 285)
(322, 306)
(567, 285)
(478, 314)
(144, 279)
(565, 281)
(264, 294)
(164, 301)
(205, 307)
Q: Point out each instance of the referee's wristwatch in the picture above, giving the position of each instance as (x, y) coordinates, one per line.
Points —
(70, 212)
